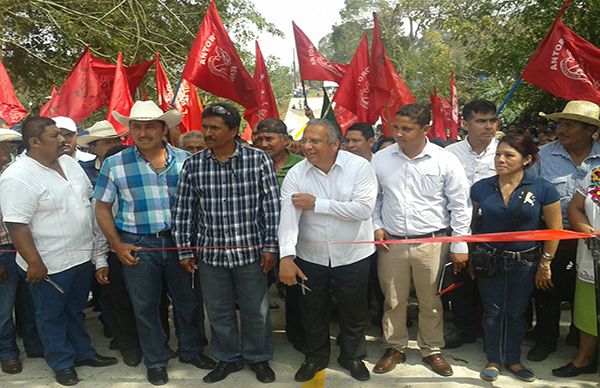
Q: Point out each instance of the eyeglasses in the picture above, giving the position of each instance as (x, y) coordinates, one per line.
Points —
(218, 109)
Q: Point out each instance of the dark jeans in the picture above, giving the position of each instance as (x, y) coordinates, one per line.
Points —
(464, 306)
(375, 296)
(8, 295)
(547, 303)
(505, 298)
(221, 286)
(25, 320)
(60, 319)
(144, 282)
(349, 285)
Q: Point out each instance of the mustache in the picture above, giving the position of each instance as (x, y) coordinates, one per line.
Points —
(209, 138)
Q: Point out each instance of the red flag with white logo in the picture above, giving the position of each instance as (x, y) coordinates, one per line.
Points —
(267, 106)
(388, 91)
(352, 97)
(163, 87)
(120, 99)
(566, 65)
(314, 66)
(11, 108)
(79, 95)
(214, 65)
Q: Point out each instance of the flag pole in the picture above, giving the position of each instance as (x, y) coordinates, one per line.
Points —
(304, 93)
(512, 91)
(175, 94)
(330, 102)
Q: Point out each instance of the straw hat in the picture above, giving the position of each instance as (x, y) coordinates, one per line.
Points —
(100, 130)
(149, 111)
(583, 111)
(9, 135)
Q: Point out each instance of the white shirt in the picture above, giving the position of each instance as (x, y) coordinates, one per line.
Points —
(477, 166)
(345, 198)
(58, 211)
(422, 195)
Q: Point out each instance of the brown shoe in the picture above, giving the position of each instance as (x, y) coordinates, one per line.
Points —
(438, 364)
(12, 367)
(390, 359)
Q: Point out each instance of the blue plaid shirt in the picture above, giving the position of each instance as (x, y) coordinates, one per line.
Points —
(233, 204)
(145, 197)
(556, 166)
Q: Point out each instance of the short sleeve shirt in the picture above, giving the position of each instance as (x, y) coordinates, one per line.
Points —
(498, 217)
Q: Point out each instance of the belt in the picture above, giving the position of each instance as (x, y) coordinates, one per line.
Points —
(162, 234)
(530, 255)
(437, 233)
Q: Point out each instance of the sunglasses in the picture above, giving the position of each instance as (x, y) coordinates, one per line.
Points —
(218, 109)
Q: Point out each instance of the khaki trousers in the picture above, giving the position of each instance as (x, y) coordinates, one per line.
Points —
(422, 263)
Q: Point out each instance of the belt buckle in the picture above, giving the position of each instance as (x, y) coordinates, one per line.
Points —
(157, 235)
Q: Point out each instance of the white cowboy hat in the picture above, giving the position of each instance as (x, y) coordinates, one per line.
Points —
(67, 123)
(100, 130)
(9, 135)
(149, 111)
(583, 111)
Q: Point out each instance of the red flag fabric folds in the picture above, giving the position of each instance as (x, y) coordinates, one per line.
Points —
(314, 66)
(214, 64)
(11, 108)
(79, 95)
(388, 91)
(120, 99)
(267, 106)
(106, 75)
(353, 95)
(441, 117)
(565, 65)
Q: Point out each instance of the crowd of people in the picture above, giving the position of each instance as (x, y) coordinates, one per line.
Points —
(211, 223)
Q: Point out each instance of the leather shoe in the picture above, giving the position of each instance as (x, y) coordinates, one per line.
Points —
(158, 376)
(540, 352)
(457, 339)
(571, 370)
(12, 367)
(67, 377)
(390, 359)
(131, 357)
(438, 364)
(357, 369)
(263, 371)
(97, 361)
(307, 372)
(201, 361)
(222, 370)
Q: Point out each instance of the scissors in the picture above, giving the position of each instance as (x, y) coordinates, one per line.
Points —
(54, 284)
(303, 286)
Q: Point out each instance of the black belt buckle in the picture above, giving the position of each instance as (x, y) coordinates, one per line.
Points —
(163, 234)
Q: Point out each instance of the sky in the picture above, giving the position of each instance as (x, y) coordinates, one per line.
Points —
(314, 17)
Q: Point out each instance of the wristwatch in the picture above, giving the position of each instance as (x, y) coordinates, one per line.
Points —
(546, 256)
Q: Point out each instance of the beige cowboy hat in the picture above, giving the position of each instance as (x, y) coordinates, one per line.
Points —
(9, 135)
(100, 130)
(579, 110)
(149, 111)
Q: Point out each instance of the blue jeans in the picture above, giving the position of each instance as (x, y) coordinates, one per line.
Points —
(248, 284)
(25, 320)
(144, 283)
(505, 298)
(60, 319)
(8, 294)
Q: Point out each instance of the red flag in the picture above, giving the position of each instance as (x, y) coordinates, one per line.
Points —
(454, 114)
(267, 106)
(79, 95)
(314, 66)
(565, 65)
(106, 75)
(247, 133)
(214, 65)
(163, 87)
(388, 91)
(353, 93)
(11, 109)
(120, 98)
(53, 92)
(441, 117)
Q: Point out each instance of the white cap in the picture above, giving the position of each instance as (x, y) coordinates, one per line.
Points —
(67, 123)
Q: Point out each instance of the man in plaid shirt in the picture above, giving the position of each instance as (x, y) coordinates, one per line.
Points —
(143, 179)
(228, 201)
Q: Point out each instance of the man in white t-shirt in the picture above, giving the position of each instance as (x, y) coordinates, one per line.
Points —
(45, 200)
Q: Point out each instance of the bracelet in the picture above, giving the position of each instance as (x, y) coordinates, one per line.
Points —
(546, 256)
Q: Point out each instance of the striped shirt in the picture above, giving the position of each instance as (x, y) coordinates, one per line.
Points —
(556, 166)
(144, 197)
(234, 205)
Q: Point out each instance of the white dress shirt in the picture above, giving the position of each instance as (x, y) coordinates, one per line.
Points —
(345, 198)
(422, 195)
(57, 210)
(477, 166)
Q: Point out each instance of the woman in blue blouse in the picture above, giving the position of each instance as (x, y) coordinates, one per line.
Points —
(512, 200)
